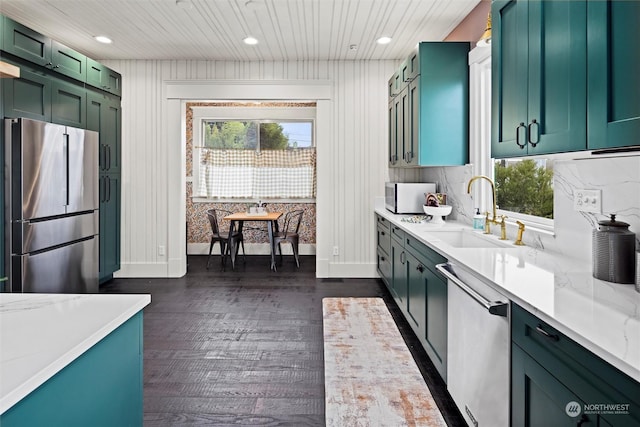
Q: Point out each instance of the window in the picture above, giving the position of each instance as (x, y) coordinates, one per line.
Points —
(524, 186)
(250, 153)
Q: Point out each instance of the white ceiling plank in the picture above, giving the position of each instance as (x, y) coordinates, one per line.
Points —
(287, 30)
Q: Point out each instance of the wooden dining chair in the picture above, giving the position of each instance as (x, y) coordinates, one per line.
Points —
(289, 233)
(221, 236)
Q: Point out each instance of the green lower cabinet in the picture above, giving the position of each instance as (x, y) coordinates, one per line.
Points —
(101, 388)
(557, 382)
(436, 330)
(421, 295)
(398, 273)
(539, 399)
(416, 296)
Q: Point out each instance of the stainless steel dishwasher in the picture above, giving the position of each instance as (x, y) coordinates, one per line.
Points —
(478, 340)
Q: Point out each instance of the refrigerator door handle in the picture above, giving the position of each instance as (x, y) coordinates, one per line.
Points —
(65, 152)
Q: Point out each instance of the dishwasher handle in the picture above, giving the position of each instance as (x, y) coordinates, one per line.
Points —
(497, 308)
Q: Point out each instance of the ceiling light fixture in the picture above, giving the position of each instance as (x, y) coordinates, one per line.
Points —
(384, 40)
(103, 39)
(250, 40)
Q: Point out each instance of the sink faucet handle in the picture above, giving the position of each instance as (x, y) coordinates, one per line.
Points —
(503, 227)
(518, 241)
(487, 223)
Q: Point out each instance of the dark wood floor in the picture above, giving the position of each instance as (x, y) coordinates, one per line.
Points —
(245, 347)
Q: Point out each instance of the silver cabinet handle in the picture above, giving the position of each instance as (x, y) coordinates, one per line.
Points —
(497, 308)
(541, 331)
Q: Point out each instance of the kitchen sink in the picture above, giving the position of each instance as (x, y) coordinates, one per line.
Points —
(467, 239)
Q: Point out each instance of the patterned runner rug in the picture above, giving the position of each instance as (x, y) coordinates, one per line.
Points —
(371, 378)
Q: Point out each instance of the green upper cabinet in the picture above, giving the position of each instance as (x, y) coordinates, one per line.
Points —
(614, 66)
(429, 107)
(69, 104)
(68, 62)
(25, 43)
(103, 77)
(539, 70)
(39, 96)
(28, 96)
(31, 46)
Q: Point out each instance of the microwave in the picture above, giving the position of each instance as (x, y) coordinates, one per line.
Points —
(407, 197)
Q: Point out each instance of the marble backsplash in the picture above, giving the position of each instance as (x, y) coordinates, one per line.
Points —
(618, 178)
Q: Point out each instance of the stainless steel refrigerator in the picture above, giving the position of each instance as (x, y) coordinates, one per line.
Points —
(52, 200)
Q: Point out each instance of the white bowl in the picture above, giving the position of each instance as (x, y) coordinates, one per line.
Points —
(437, 212)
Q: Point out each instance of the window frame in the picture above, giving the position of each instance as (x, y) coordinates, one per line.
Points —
(244, 113)
(480, 141)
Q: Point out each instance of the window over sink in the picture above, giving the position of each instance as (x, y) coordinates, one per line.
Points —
(524, 186)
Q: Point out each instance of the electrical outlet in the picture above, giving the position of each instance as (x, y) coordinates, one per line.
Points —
(587, 201)
(161, 250)
(336, 251)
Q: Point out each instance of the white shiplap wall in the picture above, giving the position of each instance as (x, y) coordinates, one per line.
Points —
(352, 174)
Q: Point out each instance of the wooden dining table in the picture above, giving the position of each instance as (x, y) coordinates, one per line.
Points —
(237, 221)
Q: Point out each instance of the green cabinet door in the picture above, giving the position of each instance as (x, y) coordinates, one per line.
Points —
(25, 43)
(436, 325)
(416, 296)
(103, 116)
(539, 399)
(28, 96)
(109, 226)
(104, 78)
(539, 74)
(68, 62)
(69, 104)
(398, 274)
(614, 66)
(412, 155)
(397, 128)
(444, 103)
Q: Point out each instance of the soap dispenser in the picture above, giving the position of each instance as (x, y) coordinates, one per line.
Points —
(478, 220)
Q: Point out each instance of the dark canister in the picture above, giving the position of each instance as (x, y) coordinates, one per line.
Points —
(614, 252)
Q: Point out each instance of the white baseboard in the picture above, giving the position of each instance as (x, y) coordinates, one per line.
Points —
(140, 270)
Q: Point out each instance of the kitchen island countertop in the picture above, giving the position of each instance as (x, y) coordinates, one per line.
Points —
(601, 316)
(40, 334)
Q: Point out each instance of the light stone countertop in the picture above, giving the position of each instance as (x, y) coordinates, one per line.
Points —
(40, 334)
(601, 316)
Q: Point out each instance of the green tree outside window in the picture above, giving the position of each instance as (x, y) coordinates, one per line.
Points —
(524, 186)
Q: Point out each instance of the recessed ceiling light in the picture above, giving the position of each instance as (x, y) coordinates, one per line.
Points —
(103, 39)
(384, 40)
(250, 40)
